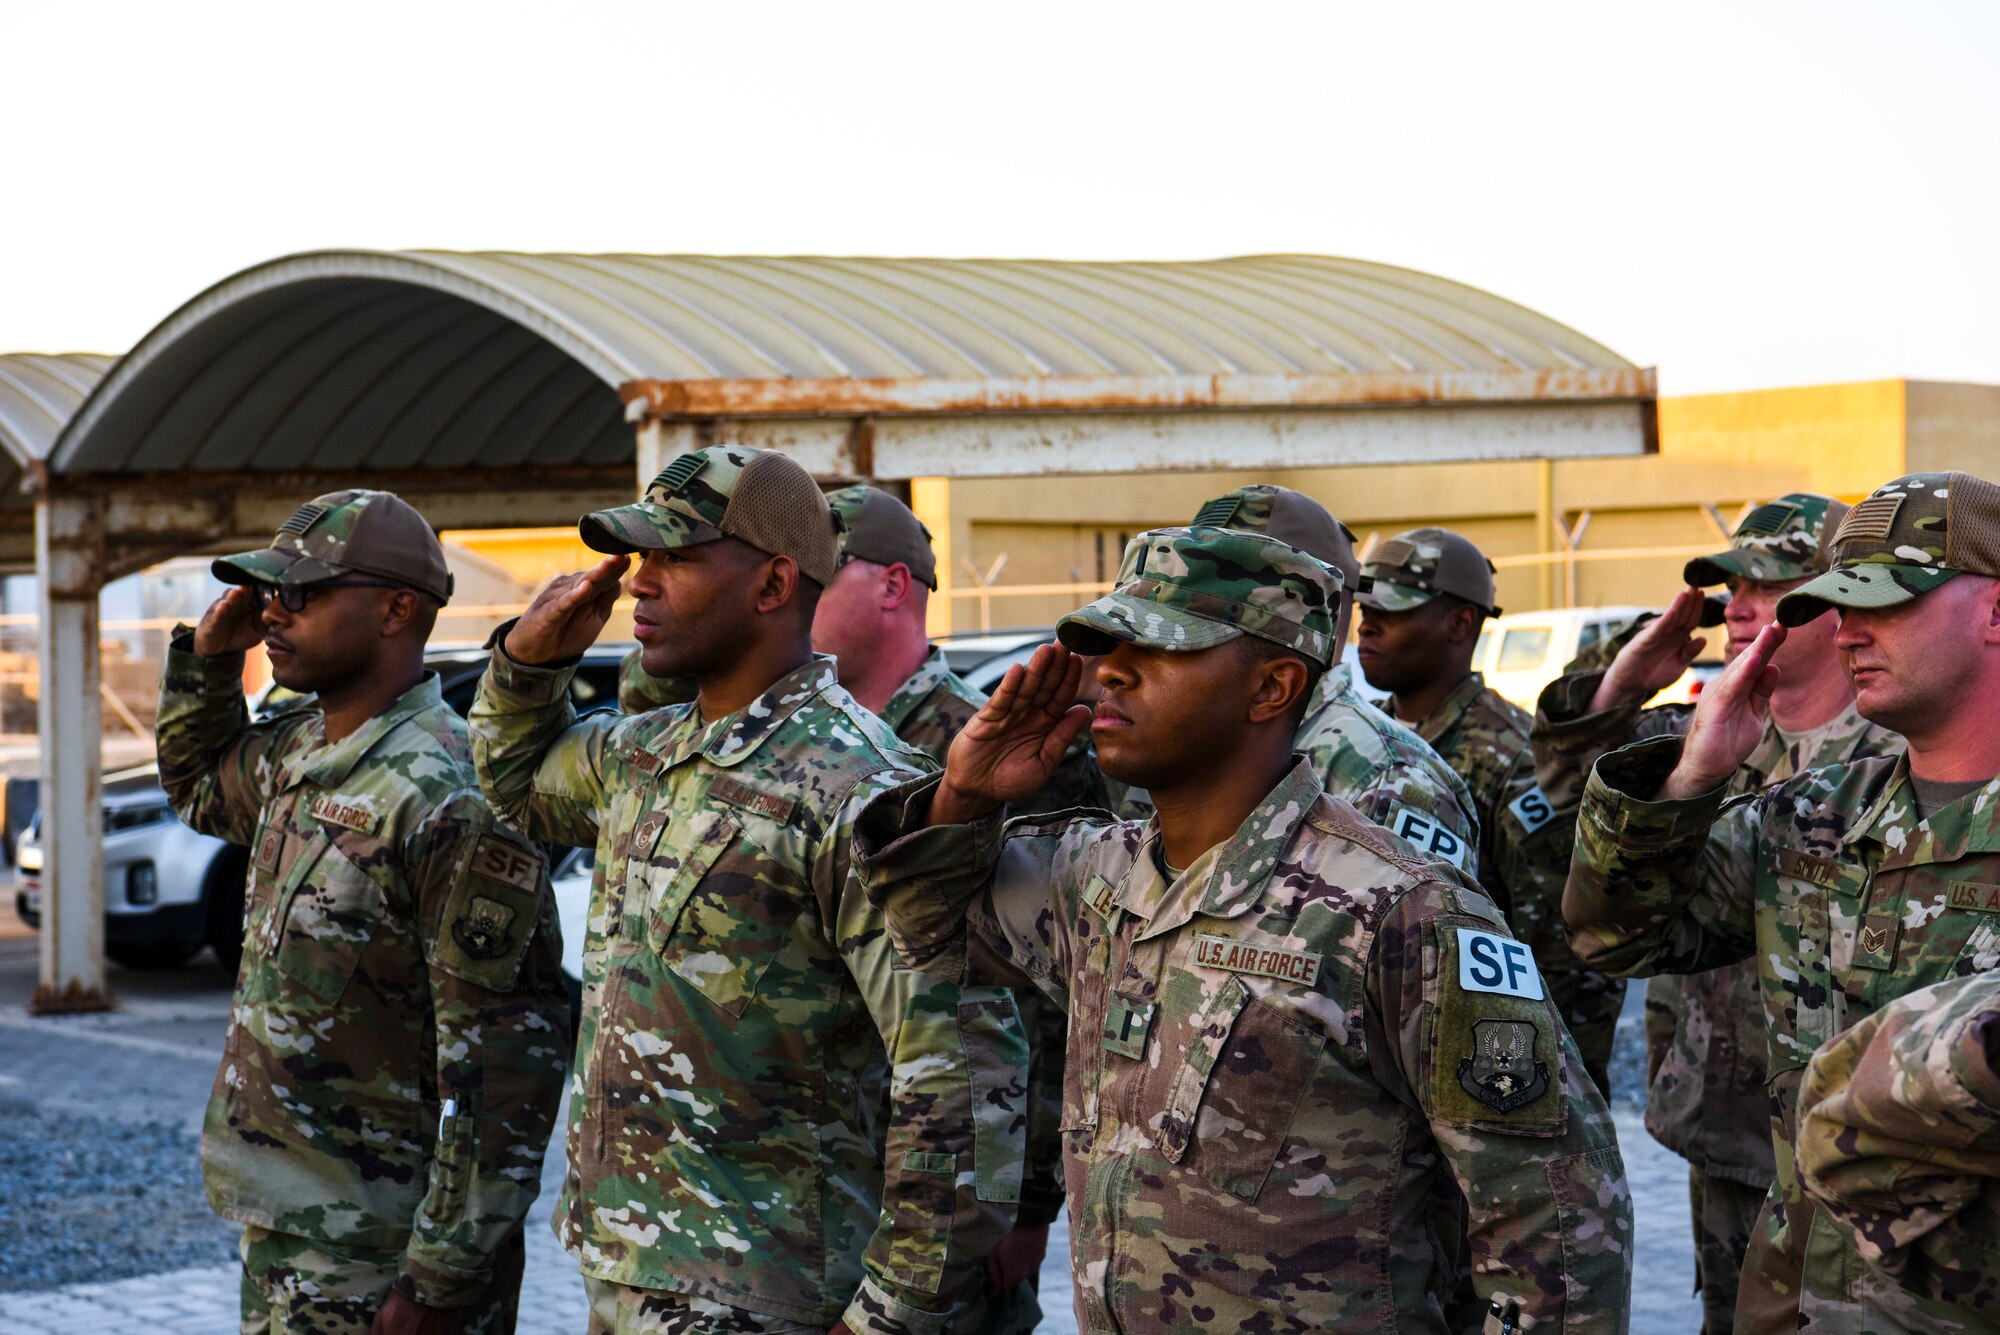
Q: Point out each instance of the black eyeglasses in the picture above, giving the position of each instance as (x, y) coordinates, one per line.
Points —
(292, 597)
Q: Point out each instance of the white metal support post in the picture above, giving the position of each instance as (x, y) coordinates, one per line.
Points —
(69, 554)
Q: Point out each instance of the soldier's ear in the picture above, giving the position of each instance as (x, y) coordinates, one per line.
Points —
(400, 611)
(780, 583)
(1282, 682)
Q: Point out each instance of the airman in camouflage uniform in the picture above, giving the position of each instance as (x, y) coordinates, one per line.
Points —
(750, 1041)
(1362, 756)
(1705, 1032)
(1281, 1048)
(880, 537)
(1425, 594)
(400, 1029)
(1851, 885)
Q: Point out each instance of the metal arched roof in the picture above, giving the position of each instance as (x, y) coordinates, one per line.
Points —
(438, 360)
(39, 393)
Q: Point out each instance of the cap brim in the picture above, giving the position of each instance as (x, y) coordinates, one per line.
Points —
(1741, 563)
(1120, 618)
(1869, 584)
(641, 528)
(271, 566)
(1386, 597)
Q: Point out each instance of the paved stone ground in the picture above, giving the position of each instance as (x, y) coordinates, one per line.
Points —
(151, 1061)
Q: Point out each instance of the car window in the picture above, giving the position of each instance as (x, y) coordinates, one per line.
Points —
(1592, 632)
(595, 685)
(1524, 648)
(1479, 649)
(458, 694)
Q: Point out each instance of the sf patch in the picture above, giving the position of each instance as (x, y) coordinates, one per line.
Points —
(1503, 1072)
(489, 918)
(1496, 1045)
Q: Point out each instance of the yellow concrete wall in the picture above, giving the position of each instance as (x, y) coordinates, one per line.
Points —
(1724, 450)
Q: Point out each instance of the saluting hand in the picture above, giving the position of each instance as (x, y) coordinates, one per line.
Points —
(1728, 719)
(1012, 746)
(232, 624)
(1654, 658)
(567, 616)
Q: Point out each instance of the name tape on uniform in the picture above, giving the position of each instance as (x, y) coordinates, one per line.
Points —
(1421, 829)
(1489, 962)
(1532, 809)
(329, 809)
(1226, 952)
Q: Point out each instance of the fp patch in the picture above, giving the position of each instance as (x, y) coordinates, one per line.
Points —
(1488, 962)
(1502, 1072)
(1429, 837)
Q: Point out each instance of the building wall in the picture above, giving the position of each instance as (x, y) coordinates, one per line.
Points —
(1724, 451)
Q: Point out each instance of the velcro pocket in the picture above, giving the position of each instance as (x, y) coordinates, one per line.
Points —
(722, 915)
(1497, 1044)
(1234, 1097)
(489, 918)
(996, 1053)
(329, 919)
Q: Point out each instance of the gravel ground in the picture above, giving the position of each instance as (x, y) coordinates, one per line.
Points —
(84, 1199)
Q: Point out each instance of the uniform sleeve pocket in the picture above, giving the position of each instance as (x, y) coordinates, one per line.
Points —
(1496, 1046)
(328, 922)
(489, 917)
(1234, 1097)
(996, 1053)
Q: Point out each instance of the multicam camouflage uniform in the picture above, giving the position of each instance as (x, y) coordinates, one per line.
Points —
(1523, 851)
(1278, 1056)
(742, 1003)
(1845, 899)
(1705, 1041)
(1899, 1142)
(400, 1028)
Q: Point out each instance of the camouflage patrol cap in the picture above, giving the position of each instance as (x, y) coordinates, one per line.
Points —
(345, 533)
(875, 526)
(1789, 538)
(725, 491)
(1418, 564)
(1186, 589)
(1907, 537)
(1290, 517)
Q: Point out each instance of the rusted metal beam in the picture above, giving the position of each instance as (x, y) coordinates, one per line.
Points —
(682, 399)
(1052, 444)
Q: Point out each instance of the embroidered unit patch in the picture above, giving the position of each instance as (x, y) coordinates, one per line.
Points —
(1502, 1073)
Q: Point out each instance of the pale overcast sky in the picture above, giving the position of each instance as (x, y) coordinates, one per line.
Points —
(1741, 194)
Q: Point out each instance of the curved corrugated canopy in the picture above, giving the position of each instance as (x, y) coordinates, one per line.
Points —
(39, 393)
(438, 360)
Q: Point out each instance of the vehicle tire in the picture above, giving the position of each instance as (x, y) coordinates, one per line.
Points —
(224, 896)
(152, 954)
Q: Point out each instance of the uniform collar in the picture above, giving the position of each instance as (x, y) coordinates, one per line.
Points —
(329, 766)
(1449, 711)
(733, 738)
(929, 676)
(1966, 826)
(1227, 879)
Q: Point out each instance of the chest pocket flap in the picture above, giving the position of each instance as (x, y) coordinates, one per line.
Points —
(331, 911)
(722, 910)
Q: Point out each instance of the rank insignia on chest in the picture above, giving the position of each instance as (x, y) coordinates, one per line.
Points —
(1502, 1072)
(483, 930)
(270, 844)
(1126, 1022)
(330, 809)
(1875, 942)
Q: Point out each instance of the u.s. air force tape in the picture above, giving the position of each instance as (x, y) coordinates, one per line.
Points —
(1421, 829)
(1489, 962)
